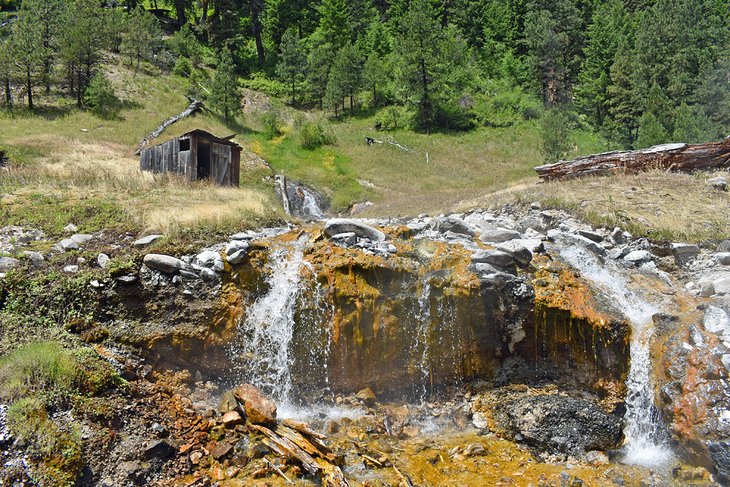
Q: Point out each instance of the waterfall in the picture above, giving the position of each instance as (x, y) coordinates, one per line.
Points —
(262, 351)
(645, 438)
(421, 345)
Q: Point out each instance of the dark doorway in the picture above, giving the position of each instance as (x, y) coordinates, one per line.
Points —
(203, 160)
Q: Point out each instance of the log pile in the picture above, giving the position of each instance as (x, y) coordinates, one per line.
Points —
(671, 157)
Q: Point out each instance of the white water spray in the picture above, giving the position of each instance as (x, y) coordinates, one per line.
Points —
(645, 439)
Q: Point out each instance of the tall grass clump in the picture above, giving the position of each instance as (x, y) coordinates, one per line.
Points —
(42, 367)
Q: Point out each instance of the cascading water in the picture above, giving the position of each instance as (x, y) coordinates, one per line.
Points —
(263, 350)
(645, 438)
(421, 348)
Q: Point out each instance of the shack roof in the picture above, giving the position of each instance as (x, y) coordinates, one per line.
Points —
(209, 136)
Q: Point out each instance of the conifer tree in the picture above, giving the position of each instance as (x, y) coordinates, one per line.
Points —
(555, 135)
(651, 131)
(142, 37)
(225, 96)
(6, 71)
(319, 62)
(334, 23)
(374, 75)
(623, 102)
(292, 61)
(27, 50)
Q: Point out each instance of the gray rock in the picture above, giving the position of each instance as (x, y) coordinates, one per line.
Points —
(619, 253)
(8, 264)
(517, 250)
(71, 269)
(638, 257)
(236, 246)
(219, 265)
(36, 258)
(725, 359)
(237, 257)
(141, 242)
(531, 222)
(716, 320)
(68, 244)
(591, 235)
(452, 224)
(535, 205)
(695, 337)
(209, 275)
(719, 183)
(158, 450)
(496, 258)
(207, 258)
(498, 235)
(343, 225)
(724, 246)
(70, 228)
(81, 238)
(163, 263)
(618, 236)
(103, 260)
(707, 289)
(392, 249)
(720, 454)
(348, 238)
(127, 278)
(722, 258)
(684, 253)
(189, 274)
(722, 286)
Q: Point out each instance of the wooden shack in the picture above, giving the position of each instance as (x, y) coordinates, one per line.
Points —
(196, 155)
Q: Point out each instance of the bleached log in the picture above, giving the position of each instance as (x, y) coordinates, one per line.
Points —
(672, 157)
(194, 106)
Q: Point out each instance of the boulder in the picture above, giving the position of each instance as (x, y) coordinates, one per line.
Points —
(8, 263)
(498, 235)
(144, 241)
(235, 246)
(452, 224)
(237, 257)
(81, 238)
(36, 258)
(684, 253)
(722, 286)
(559, 424)
(638, 257)
(207, 258)
(517, 250)
(258, 408)
(343, 225)
(618, 236)
(722, 258)
(716, 320)
(496, 258)
(68, 244)
(366, 396)
(163, 263)
(591, 235)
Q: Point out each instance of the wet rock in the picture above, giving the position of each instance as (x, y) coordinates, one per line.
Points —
(8, 263)
(720, 454)
(344, 225)
(144, 241)
(163, 263)
(366, 396)
(236, 251)
(562, 425)
(452, 224)
(258, 408)
(231, 419)
(220, 450)
(596, 458)
(638, 257)
(498, 235)
(103, 260)
(496, 258)
(518, 250)
(683, 253)
(722, 258)
(474, 450)
(227, 403)
(160, 449)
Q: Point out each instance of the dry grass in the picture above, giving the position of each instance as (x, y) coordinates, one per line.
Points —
(662, 205)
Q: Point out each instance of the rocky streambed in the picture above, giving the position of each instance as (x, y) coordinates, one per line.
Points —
(506, 347)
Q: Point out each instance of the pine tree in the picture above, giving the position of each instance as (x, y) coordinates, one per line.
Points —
(374, 75)
(225, 96)
(6, 71)
(48, 13)
(691, 125)
(555, 135)
(27, 50)
(651, 132)
(334, 23)
(292, 61)
(84, 36)
(142, 37)
(345, 75)
(319, 62)
(546, 45)
(624, 106)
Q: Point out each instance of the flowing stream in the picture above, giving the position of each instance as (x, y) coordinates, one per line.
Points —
(645, 438)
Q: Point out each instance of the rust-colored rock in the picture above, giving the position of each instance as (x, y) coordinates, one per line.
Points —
(231, 419)
(258, 408)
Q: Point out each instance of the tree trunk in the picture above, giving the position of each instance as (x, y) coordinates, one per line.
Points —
(79, 75)
(672, 157)
(8, 94)
(256, 7)
(180, 9)
(293, 88)
(29, 87)
(352, 105)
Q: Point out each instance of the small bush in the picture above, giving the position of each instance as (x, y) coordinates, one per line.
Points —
(259, 82)
(37, 367)
(100, 97)
(391, 118)
(271, 120)
(183, 67)
(313, 135)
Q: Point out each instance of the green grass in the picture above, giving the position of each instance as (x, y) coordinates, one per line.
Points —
(37, 367)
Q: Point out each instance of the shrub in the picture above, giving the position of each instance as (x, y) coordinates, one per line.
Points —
(391, 118)
(183, 67)
(271, 120)
(100, 97)
(313, 135)
(37, 367)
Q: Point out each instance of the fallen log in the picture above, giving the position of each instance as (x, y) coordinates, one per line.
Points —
(194, 106)
(669, 157)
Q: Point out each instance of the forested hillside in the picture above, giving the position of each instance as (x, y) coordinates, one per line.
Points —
(637, 72)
